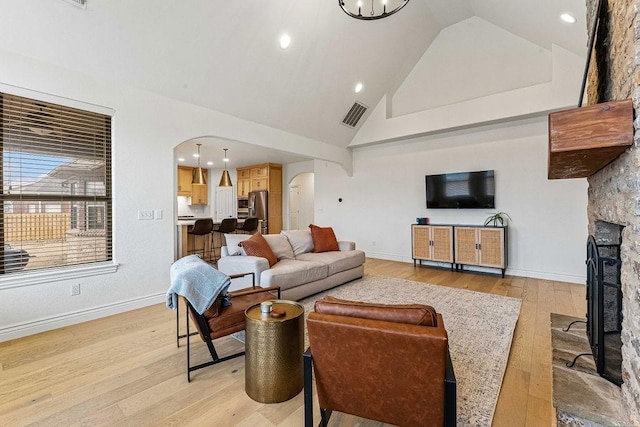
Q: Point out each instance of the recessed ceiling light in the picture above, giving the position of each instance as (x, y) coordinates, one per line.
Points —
(181, 159)
(285, 41)
(358, 87)
(210, 163)
(196, 155)
(569, 19)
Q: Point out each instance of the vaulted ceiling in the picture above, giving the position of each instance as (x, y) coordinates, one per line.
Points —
(226, 56)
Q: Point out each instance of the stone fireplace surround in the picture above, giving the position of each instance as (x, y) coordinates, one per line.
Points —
(614, 191)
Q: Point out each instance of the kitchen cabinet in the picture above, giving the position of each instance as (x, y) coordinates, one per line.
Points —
(432, 243)
(244, 173)
(267, 176)
(200, 192)
(481, 246)
(185, 176)
(244, 186)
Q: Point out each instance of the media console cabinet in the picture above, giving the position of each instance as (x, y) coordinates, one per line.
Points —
(459, 245)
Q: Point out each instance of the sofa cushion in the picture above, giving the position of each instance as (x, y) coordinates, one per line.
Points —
(256, 245)
(289, 273)
(300, 240)
(415, 314)
(232, 241)
(324, 239)
(336, 261)
(280, 246)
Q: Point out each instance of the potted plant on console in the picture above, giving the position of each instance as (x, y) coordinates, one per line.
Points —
(498, 219)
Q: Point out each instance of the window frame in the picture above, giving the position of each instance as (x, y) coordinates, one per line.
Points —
(40, 276)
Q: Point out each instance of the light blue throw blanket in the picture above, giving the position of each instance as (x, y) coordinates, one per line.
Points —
(197, 281)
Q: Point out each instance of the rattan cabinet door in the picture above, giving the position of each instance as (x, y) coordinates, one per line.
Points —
(420, 237)
(466, 245)
(442, 243)
(491, 247)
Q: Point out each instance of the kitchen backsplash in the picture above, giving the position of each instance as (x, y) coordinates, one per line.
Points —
(184, 208)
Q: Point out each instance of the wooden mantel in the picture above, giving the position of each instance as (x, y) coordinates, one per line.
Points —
(584, 140)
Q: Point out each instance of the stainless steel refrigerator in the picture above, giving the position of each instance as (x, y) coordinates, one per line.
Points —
(259, 207)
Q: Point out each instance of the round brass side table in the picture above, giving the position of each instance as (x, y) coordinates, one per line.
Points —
(273, 352)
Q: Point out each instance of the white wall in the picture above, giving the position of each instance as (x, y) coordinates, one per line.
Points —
(387, 192)
(146, 128)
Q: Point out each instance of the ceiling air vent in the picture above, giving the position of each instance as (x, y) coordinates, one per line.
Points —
(79, 3)
(354, 115)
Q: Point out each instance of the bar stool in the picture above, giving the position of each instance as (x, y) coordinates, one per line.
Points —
(249, 226)
(202, 227)
(227, 225)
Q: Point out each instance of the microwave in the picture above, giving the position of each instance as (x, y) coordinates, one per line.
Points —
(243, 208)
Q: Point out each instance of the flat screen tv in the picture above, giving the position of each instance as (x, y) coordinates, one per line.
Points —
(461, 190)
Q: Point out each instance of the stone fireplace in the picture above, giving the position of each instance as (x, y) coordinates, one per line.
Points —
(614, 191)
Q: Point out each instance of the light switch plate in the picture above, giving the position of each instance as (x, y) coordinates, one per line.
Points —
(145, 214)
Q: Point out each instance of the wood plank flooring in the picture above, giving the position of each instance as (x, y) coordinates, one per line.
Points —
(126, 369)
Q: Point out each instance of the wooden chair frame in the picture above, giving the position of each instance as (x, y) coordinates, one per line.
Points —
(203, 326)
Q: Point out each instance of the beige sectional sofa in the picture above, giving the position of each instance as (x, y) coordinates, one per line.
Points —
(299, 271)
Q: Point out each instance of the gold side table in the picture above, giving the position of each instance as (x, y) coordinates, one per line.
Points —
(273, 352)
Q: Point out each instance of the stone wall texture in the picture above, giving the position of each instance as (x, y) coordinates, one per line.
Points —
(614, 191)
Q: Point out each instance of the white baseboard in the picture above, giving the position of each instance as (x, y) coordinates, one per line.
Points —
(54, 322)
(559, 277)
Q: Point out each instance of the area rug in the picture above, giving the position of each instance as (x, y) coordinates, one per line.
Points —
(480, 328)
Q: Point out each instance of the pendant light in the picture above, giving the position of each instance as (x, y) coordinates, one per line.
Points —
(198, 174)
(225, 179)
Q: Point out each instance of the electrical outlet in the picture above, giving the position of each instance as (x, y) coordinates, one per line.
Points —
(145, 214)
(75, 289)
(157, 214)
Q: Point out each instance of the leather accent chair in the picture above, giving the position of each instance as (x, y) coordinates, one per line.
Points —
(389, 363)
(219, 320)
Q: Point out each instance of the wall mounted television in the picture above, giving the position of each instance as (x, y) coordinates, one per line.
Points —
(461, 190)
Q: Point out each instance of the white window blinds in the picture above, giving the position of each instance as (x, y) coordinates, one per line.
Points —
(55, 200)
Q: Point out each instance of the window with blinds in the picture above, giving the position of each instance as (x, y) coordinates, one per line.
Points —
(55, 208)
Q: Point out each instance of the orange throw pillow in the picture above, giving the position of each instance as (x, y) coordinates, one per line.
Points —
(258, 246)
(324, 239)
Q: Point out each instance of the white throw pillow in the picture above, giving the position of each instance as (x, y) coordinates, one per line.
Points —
(232, 243)
(300, 240)
(280, 246)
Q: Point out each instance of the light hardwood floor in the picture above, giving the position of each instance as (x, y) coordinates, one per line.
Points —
(126, 369)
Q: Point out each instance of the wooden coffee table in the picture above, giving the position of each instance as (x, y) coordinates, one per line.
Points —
(274, 347)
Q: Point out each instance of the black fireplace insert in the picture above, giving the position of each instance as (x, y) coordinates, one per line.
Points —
(604, 308)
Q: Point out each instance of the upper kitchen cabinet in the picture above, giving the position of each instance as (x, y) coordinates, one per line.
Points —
(185, 176)
(198, 193)
(244, 183)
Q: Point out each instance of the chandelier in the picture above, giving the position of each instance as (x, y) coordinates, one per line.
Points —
(360, 9)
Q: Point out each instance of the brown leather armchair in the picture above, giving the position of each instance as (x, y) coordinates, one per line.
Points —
(388, 363)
